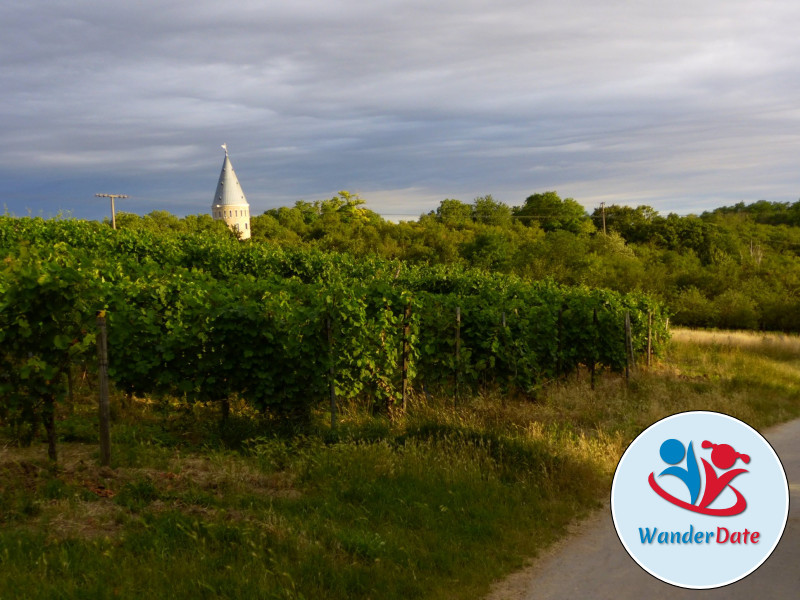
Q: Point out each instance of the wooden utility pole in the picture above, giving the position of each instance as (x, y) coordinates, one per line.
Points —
(603, 212)
(105, 417)
(113, 212)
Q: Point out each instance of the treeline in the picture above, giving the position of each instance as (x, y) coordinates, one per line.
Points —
(734, 267)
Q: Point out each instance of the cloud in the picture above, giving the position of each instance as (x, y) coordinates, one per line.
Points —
(678, 104)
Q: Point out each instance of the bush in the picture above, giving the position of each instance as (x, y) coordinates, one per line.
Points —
(693, 309)
(735, 311)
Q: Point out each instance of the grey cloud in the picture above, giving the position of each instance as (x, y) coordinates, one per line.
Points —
(678, 103)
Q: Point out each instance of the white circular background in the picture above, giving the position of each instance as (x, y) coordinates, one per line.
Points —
(635, 505)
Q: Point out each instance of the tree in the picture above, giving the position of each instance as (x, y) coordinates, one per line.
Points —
(161, 221)
(267, 227)
(693, 309)
(349, 207)
(735, 310)
(293, 219)
(489, 249)
(686, 233)
(454, 213)
(633, 224)
(553, 213)
(205, 223)
(488, 211)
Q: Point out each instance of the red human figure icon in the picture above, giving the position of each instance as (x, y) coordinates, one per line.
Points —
(724, 457)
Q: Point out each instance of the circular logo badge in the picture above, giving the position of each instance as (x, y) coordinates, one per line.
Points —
(700, 500)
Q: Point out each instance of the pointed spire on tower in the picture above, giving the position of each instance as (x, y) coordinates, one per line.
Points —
(229, 190)
(229, 202)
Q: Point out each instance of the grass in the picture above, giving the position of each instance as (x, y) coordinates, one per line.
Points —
(435, 506)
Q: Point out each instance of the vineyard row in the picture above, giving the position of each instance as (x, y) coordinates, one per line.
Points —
(283, 331)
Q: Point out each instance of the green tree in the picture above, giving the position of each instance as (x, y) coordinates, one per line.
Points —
(633, 224)
(686, 233)
(266, 227)
(296, 219)
(693, 309)
(552, 213)
(454, 213)
(349, 207)
(488, 211)
(205, 223)
(489, 249)
(735, 310)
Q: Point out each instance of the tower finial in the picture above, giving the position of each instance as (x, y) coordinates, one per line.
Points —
(225, 147)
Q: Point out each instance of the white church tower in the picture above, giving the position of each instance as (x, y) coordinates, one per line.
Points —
(229, 203)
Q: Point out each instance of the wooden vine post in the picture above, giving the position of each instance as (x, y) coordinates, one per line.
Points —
(559, 345)
(595, 334)
(628, 346)
(504, 338)
(406, 353)
(458, 354)
(649, 336)
(104, 409)
(331, 372)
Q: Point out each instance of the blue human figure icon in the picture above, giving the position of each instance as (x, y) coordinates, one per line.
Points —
(672, 452)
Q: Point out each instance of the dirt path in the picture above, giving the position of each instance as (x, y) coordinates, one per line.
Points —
(593, 564)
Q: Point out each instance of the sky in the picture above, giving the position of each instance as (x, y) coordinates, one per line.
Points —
(681, 105)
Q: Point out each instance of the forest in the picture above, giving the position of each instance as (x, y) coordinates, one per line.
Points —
(733, 267)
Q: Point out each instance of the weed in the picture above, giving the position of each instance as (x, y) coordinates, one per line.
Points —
(136, 495)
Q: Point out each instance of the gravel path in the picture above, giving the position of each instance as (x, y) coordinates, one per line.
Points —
(593, 564)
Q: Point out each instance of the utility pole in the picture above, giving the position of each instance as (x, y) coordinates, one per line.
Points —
(603, 211)
(113, 212)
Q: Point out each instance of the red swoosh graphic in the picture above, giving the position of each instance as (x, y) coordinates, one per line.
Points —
(737, 508)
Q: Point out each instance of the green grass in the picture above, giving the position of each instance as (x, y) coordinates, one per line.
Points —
(436, 506)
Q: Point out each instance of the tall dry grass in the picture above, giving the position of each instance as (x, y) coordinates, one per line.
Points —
(378, 509)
